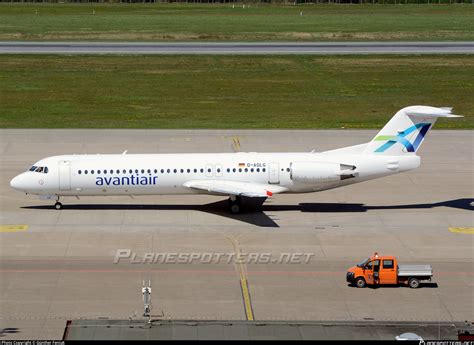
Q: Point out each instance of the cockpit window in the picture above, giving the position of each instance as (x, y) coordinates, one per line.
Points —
(43, 170)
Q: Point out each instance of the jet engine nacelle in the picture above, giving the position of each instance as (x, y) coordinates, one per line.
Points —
(321, 171)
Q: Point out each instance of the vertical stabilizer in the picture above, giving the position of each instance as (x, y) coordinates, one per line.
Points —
(407, 129)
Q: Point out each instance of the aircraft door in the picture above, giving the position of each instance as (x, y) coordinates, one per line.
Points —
(64, 175)
(273, 173)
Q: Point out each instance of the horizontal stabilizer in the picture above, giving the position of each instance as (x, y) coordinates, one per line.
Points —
(430, 111)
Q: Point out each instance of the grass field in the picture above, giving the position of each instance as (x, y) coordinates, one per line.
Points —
(229, 91)
(187, 22)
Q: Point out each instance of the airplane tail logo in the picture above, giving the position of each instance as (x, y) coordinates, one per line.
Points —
(401, 138)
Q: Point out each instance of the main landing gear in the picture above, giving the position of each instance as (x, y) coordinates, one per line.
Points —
(235, 204)
(58, 205)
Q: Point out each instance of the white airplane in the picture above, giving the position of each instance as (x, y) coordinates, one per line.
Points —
(237, 175)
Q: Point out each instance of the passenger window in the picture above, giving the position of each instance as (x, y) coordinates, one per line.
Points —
(195, 170)
(130, 171)
(111, 171)
(218, 170)
(117, 171)
(208, 170)
(143, 171)
(388, 264)
(263, 170)
(228, 170)
(258, 169)
(175, 171)
(246, 170)
(189, 170)
(202, 170)
(251, 169)
(149, 171)
(155, 171)
(162, 171)
(240, 169)
(181, 171)
(234, 170)
(79, 172)
(92, 172)
(85, 172)
(124, 171)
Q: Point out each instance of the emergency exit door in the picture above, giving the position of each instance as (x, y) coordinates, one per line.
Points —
(64, 175)
(273, 173)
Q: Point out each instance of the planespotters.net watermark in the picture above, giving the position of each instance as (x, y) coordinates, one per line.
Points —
(128, 256)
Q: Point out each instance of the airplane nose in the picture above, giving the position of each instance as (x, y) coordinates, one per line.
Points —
(15, 183)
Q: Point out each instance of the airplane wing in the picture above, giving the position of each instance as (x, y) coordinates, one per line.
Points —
(247, 189)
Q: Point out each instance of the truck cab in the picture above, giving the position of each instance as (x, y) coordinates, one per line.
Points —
(374, 270)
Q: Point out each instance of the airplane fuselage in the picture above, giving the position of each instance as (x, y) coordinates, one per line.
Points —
(145, 174)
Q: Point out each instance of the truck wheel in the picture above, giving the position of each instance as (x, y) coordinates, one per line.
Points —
(360, 282)
(414, 283)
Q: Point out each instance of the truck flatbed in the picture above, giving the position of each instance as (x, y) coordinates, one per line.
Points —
(415, 270)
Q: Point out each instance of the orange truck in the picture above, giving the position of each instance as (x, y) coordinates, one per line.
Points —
(385, 270)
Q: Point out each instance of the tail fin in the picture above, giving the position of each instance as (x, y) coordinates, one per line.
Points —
(405, 132)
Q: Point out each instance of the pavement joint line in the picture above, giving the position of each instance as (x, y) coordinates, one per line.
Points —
(14, 228)
(462, 230)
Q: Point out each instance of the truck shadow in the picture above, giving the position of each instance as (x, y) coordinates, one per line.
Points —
(261, 215)
(393, 286)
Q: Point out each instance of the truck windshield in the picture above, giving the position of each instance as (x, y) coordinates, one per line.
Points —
(363, 263)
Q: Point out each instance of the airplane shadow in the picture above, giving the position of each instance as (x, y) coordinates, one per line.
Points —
(257, 215)
(8, 330)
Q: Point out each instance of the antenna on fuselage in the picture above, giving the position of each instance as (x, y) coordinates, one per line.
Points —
(125, 152)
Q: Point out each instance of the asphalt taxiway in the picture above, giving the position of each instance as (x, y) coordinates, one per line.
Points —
(240, 48)
(58, 265)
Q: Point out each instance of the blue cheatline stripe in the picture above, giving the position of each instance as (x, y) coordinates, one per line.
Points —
(400, 138)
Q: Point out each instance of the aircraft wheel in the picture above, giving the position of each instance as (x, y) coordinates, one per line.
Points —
(235, 208)
(58, 206)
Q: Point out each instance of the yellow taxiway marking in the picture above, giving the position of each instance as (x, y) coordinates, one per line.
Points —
(459, 230)
(13, 228)
(244, 286)
(247, 302)
(236, 144)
